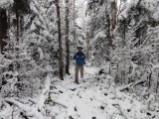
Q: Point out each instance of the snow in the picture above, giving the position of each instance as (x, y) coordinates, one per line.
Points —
(150, 5)
(97, 96)
(45, 91)
(92, 98)
(5, 3)
(99, 35)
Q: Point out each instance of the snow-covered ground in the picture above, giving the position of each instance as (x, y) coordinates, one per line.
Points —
(93, 98)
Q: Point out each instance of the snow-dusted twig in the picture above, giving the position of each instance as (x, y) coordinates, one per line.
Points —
(60, 104)
(121, 111)
(44, 94)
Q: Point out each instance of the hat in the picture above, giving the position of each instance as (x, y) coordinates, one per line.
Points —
(79, 47)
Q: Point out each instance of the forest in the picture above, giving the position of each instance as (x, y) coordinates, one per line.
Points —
(46, 44)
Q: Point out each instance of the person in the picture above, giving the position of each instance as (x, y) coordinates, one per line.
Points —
(79, 58)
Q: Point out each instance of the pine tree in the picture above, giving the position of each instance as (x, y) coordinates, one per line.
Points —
(100, 30)
(67, 41)
(60, 58)
(20, 8)
(3, 28)
(136, 43)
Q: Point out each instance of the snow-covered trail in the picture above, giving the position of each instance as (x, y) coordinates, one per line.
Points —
(93, 99)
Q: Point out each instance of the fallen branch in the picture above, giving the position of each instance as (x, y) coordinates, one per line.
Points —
(29, 111)
(5, 110)
(60, 104)
(23, 115)
(32, 101)
(44, 94)
(95, 77)
(152, 114)
(17, 103)
(131, 85)
(13, 112)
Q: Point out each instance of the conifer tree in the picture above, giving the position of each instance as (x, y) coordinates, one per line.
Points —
(67, 41)
(20, 8)
(60, 58)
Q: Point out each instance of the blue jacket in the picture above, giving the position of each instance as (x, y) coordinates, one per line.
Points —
(80, 58)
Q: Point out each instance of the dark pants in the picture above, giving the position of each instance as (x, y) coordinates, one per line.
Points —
(79, 68)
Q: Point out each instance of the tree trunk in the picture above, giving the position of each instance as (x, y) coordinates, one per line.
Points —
(113, 14)
(88, 45)
(59, 41)
(108, 24)
(3, 28)
(74, 20)
(18, 27)
(21, 22)
(113, 20)
(67, 37)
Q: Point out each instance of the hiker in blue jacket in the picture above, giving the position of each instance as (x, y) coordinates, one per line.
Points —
(79, 57)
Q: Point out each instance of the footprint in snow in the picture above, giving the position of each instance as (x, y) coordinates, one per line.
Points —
(91, 99)
(128, 110)
(79, 96)
(75, 109)
(60, 91)
(106, 94)
(70, 117)
(74, 89)
(94, 118)
(102, 107)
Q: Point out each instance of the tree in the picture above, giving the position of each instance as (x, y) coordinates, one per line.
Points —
(113, 14)
(20, 7)
(60, 58)
(100, 30)
(37, 53)
(67, 41)
(74, 20)
(3, 28)
(137, 43)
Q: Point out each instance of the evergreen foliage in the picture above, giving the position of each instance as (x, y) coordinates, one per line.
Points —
(21, 7)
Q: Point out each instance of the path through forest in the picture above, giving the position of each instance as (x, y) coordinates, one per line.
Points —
(94, 98)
